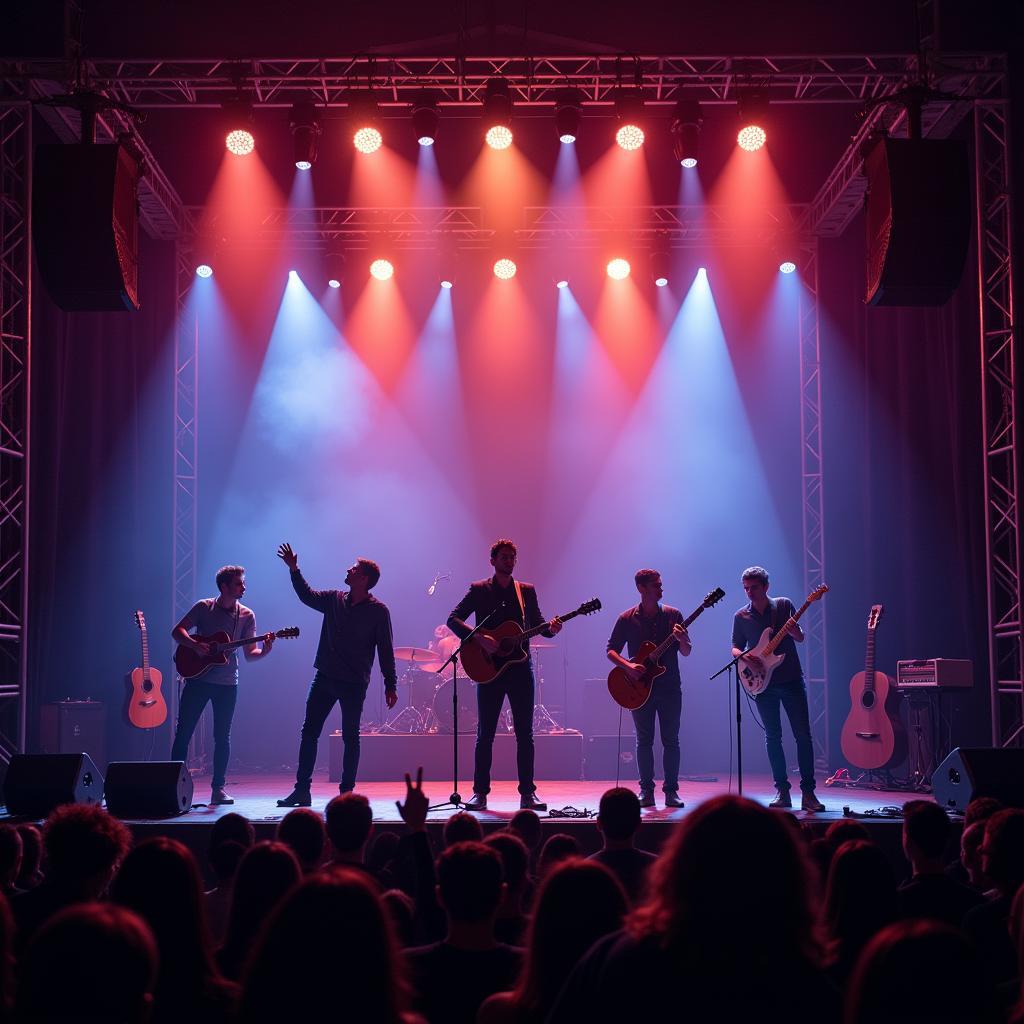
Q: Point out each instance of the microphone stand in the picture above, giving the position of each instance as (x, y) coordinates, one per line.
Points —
(739, 716)
(455, 800)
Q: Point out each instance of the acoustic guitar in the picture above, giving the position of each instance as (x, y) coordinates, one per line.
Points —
(511, 639)
(146, 706)
(632, 694)
(757, 665)
(191, 664)
(873, 735)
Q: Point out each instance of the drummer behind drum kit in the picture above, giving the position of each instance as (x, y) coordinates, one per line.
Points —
(427, 707)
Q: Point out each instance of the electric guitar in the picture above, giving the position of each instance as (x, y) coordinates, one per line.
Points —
(190, 663)
(146, 706)
(873, 735)
(755, 675)
(511, 639)
(632, 694)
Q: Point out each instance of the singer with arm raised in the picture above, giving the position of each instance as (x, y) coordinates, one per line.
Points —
(355, 625)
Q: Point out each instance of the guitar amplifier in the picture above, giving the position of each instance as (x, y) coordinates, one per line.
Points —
(932, 673)
(70, 726)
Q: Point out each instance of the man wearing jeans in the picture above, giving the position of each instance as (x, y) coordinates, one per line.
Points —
(355, 625)
(786, 689)
(218, 684)
(650, 620)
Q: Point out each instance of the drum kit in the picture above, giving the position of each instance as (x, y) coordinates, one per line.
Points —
(425, 701)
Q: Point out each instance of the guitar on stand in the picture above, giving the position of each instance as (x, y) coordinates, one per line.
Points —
(145, 706)
(873, 735)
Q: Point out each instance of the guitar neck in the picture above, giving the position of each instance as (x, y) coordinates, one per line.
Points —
(786, 627)
(243, 643)
(869, 661)
(537, 630)
(145, 654)
(672, 638)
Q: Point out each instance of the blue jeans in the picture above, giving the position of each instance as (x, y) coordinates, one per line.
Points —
(193, 699)
(516, 682)
(665, 702)
(324, 692)
(793, 697)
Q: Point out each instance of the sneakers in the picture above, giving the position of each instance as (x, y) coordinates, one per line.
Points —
(809, 802)
(782, 801)
(298, 797)
(646, 797)
(672, 800)
(218, 796)
(477, 802)
(529, 802)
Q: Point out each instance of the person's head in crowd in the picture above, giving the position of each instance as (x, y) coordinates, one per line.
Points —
(579, 902)
(90, 962)
(84, 846)
(10, 856)
(561, 846)
(470, 883)
(233, 826)
(821, 852)
(224, 860)
(526, 825)
(382, 851)
(515, 865)
(303, 830)
(981, 808)
(349, 826)
(919, 972)
(618, 816)
(926, 832)
(327, 949)
(845, 830)
(31, 855)
(1002, 851)
(462, 827)
(970, 854)
(702, 886)
(402, 911)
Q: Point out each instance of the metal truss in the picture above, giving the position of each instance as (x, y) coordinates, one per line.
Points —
(15, 364)
(1000, 404)
(812, 460)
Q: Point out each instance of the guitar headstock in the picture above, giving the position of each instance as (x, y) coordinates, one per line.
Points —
(818, 592)
(140, 620)
(874, 615)
(591, 606)
(289, 633)
(714, 597)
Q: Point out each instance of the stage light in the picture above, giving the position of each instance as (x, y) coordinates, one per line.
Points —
(239, 138)
(629, 108)
(505, 269)
(447, 263)
(240, 142)
(366, 133)
(425, 120)
(660, 262)
(685, 128)
(382, 270)
(306, 130)
(751, 138)
(367, 139)
(568, 112)
(334, 264)
(787, 266)
(204, 270)
(752, 108)
(618, 269)
(498, 114)
(293, 274)
(562, 283)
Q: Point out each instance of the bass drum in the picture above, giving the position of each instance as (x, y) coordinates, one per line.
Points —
(442, 708)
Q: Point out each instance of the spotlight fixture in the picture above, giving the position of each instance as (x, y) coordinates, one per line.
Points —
(335, 267)
(787, 266)
(306, 130)
(562, 282)
(660, 261)
(752, 108)
(204, 270)
(363, 118)
(618, 269)
(447, 266)
(425, 120)
(568, 111)
(629, 108)
(505, 269)
(685, 127)
(382, 270)
(204, 252)
(498, 114)
(239, 138)
(784, 248)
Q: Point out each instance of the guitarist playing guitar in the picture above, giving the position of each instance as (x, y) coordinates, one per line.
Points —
(503, 599)
(219, 683)
(786, 689)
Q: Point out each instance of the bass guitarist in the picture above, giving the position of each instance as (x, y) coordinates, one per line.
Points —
(653, 621)
(786, 689)
(219, 683)
(504, 599)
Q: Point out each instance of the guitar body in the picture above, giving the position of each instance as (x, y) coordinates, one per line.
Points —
(873, 735)
(146, 705)
(482, 667)
(633, 694)
(755, 680)
(190, 665)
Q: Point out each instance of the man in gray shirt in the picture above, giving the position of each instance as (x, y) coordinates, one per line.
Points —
(218, 684)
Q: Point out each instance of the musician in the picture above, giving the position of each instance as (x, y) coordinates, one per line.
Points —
(786, 689)
(508, 600)
(651, 620)
(355, 625)
(219, 683)
(444, 642)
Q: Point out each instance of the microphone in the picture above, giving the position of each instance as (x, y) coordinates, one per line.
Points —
(437, 579)
(431, 589)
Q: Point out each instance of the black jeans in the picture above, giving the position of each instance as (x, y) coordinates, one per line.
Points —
(665, 701)
(516, 682)
(793, 697)
(324, 692)
(193, 699)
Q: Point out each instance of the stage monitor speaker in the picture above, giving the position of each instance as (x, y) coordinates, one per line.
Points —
(37, 783)
(85, 220)
(148, 789)
(967, 773)
(918, 220)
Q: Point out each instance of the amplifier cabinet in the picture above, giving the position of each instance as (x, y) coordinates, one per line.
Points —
(935, 672)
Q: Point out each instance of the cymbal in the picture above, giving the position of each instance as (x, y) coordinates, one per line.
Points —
(414, 654)
(540, 645)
